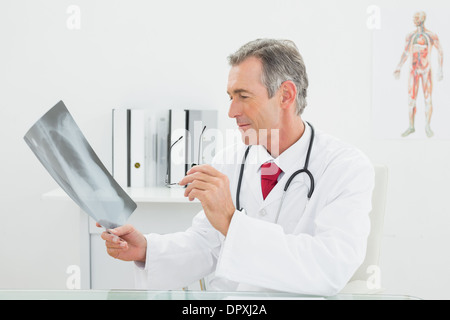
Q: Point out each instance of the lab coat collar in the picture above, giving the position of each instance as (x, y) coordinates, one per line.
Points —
(289, 161)
(294, 157)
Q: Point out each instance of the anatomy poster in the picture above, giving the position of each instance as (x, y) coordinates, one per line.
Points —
(411, 75)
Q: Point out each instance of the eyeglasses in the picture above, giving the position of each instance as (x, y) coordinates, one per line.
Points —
(192, 165)
(168, 163)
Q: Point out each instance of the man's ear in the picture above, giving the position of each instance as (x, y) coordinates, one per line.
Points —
(288, 92)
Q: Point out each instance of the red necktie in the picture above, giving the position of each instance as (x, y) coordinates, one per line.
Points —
(269, 177)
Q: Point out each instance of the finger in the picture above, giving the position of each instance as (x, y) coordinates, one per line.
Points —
(197, 176)
(113, 245)
(122, 230)
(107, 236)
(196, 194)
(197, 184)
(205, 168)
(115, 253)
(98, 225)
(208, 170)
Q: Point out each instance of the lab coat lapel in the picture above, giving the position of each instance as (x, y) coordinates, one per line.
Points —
(252, 179)
(254, 189)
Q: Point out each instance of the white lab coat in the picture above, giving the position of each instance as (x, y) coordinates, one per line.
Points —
(313, 248)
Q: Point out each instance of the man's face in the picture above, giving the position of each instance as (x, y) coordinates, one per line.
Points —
(250, 103)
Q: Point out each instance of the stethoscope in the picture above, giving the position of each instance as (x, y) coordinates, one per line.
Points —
(286, 186)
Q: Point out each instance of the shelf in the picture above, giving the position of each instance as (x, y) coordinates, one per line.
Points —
(142, 195)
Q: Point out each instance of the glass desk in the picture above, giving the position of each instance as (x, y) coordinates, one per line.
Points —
(178, 295)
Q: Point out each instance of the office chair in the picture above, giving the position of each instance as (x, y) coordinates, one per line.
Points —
(361, 282)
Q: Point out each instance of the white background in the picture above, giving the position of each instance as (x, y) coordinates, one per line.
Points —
(172, 54)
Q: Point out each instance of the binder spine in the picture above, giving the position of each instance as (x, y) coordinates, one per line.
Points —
(128, 123)
(120, 147)
(137, 167)
(176, 146)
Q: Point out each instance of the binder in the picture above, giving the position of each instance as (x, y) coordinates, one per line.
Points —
(162, 134)
(199, 124)
(158, 147)
(129, 152)
(151, 150)
(120, 146)
(137, 163)
(176, 152)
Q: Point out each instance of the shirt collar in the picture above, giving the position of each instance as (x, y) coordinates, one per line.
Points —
(289, 161)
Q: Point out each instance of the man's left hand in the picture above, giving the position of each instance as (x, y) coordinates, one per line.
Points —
(212, 189)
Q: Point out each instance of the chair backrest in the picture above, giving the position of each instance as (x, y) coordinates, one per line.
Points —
(376, 221)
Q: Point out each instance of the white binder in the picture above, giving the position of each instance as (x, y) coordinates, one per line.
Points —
(162, 135)
(129, 138)
(177, 146)
(120, 146)
(200, 124)
(137, 164)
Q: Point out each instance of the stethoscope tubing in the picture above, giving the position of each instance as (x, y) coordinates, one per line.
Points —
(286, 186)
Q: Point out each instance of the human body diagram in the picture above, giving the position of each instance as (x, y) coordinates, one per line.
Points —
(419, 45)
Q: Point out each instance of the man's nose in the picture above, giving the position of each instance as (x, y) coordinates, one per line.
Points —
(234, 109)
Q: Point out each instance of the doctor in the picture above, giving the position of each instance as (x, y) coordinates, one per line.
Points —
(254, 233)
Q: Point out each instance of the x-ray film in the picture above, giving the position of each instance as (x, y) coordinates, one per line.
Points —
(61, 147)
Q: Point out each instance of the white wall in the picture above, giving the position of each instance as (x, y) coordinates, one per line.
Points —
(172, 54)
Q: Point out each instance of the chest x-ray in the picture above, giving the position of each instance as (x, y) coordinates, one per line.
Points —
(61, 147)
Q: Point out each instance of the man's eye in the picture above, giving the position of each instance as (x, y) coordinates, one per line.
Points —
(243, 97)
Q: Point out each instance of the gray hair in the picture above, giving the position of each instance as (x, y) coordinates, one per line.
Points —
(281, 61)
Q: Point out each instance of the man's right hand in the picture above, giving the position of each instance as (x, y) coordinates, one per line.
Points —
(125, 243)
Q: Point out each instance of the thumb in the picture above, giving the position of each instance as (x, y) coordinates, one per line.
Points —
(122, 230)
